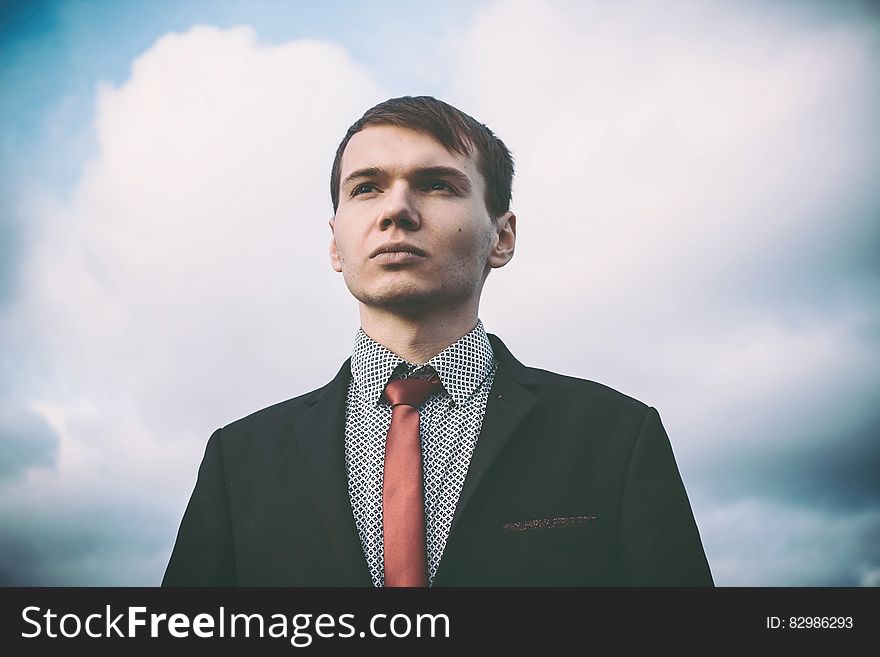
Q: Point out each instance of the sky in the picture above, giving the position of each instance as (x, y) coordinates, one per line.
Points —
(698, 222)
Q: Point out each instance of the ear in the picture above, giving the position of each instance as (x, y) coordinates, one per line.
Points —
(335, 262)
(502, 250)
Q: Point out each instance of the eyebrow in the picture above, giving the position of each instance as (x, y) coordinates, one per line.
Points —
(452, 174)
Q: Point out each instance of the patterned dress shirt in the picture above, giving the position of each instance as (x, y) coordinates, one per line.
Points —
(450, 424)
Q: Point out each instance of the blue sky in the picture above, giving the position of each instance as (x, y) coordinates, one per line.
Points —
(698, 222)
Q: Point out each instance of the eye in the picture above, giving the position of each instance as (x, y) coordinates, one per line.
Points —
(439, 186)
(363, 188)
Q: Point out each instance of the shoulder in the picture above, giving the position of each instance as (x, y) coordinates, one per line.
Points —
(563, 387)
(280, 419)
(565, 390)
(276, 413)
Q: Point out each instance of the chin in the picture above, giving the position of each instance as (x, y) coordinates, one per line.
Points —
(399, 298)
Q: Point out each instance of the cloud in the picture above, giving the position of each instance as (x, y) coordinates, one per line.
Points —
(871, 578)
(26, 441)
(697, 228)
(833, 471)
(168, 294)
(755, 543)
(54, 535)
(673, 158)
(697, 224)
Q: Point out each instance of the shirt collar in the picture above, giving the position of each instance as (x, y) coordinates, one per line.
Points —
(462, 366)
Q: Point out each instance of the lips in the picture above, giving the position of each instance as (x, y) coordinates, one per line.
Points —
(402, 248)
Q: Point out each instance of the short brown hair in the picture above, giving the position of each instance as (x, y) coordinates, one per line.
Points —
(456, 131)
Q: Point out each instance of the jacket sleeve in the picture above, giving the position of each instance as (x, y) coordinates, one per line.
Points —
(203, 554)
(659, 540)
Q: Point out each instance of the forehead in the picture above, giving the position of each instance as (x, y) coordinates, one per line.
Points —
(399, 150)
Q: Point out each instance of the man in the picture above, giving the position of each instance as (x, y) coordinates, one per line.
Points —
(494, 473)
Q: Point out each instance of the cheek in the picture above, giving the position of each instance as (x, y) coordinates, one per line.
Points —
(345, 244)
(471, 243)
(467, 231)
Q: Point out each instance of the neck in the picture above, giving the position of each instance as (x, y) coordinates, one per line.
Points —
(417, 337)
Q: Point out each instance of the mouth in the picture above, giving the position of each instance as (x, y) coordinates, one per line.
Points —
(397, 252)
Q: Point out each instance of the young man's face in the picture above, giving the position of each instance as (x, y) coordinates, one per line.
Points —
(412, 230)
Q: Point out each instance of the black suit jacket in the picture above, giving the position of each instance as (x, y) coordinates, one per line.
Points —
(570, 483)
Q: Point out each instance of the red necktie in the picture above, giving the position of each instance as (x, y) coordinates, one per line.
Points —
(403, 506)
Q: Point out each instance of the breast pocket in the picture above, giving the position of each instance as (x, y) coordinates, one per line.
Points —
(548, 535)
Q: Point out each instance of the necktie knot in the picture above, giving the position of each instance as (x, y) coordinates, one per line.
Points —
(411, 392)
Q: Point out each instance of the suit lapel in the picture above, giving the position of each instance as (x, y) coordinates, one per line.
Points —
(320, 432)
(509, 403)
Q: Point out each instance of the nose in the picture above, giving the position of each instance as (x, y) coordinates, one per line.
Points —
(400, 209)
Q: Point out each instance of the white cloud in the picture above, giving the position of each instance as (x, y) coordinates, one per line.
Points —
(685, 174)
(870, 578)
(666, 152)
(695, 183)
(184, 282)
(753, 542)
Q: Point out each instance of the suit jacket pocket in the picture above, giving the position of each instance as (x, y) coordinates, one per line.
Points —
(548, 535)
